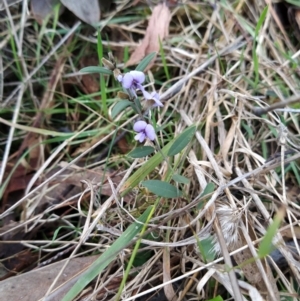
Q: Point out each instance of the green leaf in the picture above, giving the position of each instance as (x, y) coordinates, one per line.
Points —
(145, 169)
(119, 107)
(257, 28)
(164, 61)
(295, 170)
(266, 246)
(35, 130)
(294, 2)
(210, 187)
(96, 69)
(182, 140)
(205, 247)
(145, 61)
(108, 256)
(142, 257)
(218, 298)
(161, 188)
(102, 79)
(141, 152)
(180, 179)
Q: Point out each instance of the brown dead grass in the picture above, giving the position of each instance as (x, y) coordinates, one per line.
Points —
(73, 183)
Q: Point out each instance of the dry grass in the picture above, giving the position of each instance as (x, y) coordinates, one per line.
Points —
(64, 163)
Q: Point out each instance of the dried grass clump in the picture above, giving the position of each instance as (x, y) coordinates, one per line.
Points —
(234, 74)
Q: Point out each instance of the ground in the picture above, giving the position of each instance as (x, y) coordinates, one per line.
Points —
(149, 150)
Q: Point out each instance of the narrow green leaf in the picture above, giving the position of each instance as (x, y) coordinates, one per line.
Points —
(182, 140)
(145, 61)
(145, 170)
(206, 249)
(161, 188)
(163, 58)
(266, 245)
(119, 107)
(141, 152)
(102, 79)
(96, 69)
(35, 130)
(180, 179)
(108, 256)
(295, 170)
(294, 2)
(257, 29)
(218, 298)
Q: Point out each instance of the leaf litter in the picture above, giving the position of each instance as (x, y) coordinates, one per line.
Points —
(87, 11)
(157, 30)
(73, 196)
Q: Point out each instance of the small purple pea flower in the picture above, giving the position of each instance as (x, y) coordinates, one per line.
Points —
(153, 96)
(132, 80)
(144, 131)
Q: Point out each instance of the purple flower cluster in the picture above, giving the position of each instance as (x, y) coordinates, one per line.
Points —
(144, 130)
(132, 81)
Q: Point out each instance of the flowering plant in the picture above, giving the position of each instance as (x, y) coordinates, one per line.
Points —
(132, 82)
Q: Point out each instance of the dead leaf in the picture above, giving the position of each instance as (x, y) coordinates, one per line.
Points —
(20, 171)
(33, 285)
(158, 29)
(17, 184)
(124, 146)
(18, 263)
(294, 18)
(87, 11)
(13, 256)
(41, 9)
(90, 82)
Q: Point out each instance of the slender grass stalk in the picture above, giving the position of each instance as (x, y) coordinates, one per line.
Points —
(16, 59)
(164, 61)
(102, 79)
(255, 57)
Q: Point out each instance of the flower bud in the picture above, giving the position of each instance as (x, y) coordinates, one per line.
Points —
(107, 64)
(123, 95)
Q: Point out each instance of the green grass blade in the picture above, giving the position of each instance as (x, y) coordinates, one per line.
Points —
(164, 61)
(96, 69)
(144, 170)
(34, 130)
(108, 256)
(218, 298)
(119, 107)
(180, 179)
(162, 188)
(266, 245)
(145, 61)
(210, 187)
(102, 79)
(257, 29)
(141, 152)
(182, 140)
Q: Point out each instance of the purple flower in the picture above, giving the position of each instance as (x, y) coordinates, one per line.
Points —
(144, 131)
(132, 80)
(153, 96)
